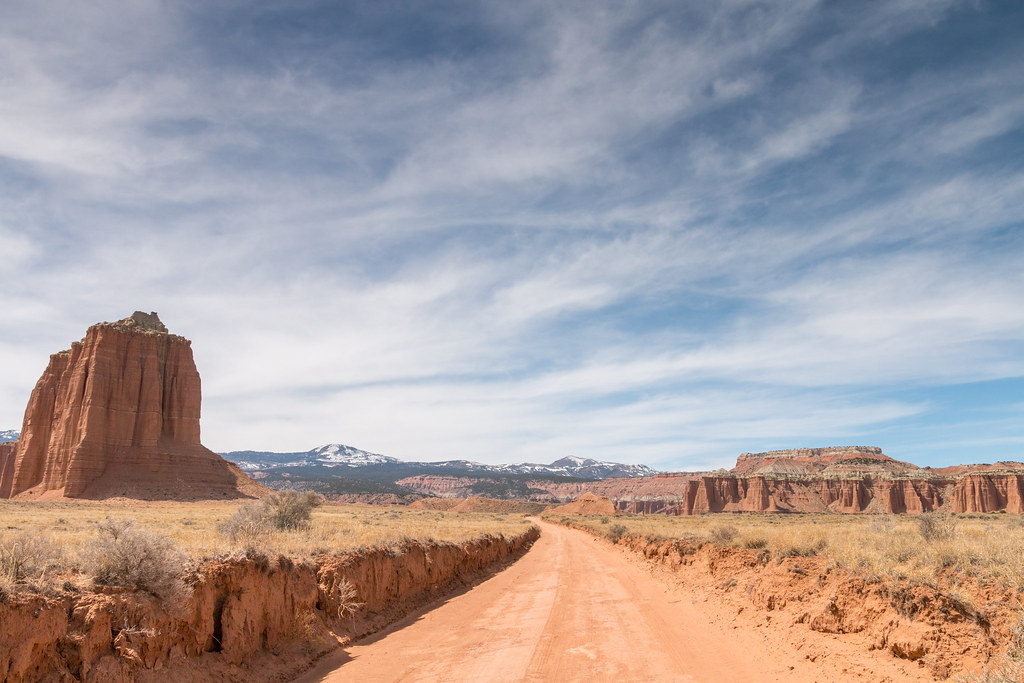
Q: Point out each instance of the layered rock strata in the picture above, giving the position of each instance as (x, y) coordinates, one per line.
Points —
(118, 415)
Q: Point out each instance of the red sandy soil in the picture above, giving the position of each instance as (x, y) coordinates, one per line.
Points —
(576, 608)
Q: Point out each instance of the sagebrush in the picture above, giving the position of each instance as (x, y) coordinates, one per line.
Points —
(136, 558)
(282, 511)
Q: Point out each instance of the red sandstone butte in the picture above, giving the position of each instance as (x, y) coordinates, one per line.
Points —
(118, 415)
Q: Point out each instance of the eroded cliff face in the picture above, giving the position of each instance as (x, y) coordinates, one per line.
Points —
(989, 492)
(118, 415)
(7, 451)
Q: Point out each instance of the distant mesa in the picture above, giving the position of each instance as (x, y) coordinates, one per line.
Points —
(117, 415)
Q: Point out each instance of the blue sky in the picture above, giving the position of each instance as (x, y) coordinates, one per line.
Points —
(651, 232)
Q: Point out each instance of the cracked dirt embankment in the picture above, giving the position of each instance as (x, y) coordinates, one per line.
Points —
(255, 619)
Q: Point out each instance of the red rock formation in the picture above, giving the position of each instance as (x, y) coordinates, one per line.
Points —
(988, 492)
(7, 451)
(118, 415)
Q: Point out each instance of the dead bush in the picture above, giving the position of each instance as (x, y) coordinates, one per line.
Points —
(617, 531)
(249, 523)
(936, 527)
(347, 604)
(723, 535)
(138, 559)
(282, 511)
(25, 556)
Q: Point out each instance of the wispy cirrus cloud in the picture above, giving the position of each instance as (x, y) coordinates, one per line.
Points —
(653, 232)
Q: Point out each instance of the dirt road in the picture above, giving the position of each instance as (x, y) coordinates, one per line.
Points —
(574, 608)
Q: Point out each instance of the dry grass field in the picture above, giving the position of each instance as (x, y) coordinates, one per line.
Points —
(916, 547)
(43, 544)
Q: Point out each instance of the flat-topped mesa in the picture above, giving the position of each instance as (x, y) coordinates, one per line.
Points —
(832, 460)
(818, 453)
(118, 415)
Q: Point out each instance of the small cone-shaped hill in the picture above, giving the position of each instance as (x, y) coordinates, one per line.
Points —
(118, 415)
(587, 504)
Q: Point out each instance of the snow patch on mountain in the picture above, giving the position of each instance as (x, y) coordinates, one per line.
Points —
(339, 455)
(586, 468)
(9, 435)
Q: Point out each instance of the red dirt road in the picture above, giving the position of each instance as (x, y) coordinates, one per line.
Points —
(575, 608)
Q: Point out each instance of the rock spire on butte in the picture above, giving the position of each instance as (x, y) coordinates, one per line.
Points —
(118, 415)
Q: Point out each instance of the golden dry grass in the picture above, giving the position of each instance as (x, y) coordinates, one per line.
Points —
(67, 529)
(990, 547)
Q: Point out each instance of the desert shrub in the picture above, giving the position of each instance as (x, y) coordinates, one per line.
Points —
(114, 527)
(248, 524)
(25, 556)
(135, 558)
(723, 534)
(291, 509)
(282, 511)
(755, 542)
(616, 531)
(935, 527)
(801, 547)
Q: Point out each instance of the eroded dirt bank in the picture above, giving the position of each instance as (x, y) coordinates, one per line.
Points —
(828, 613)
(246, 619)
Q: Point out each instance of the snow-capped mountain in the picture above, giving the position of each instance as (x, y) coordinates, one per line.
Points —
(585, 468)
(9, 435)
(331, 455)
(338, 455)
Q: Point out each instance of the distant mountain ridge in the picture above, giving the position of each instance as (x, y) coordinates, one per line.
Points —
(339, 455)
(9, 435)
(330, 455)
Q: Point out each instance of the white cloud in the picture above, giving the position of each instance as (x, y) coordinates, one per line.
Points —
(429, 264)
